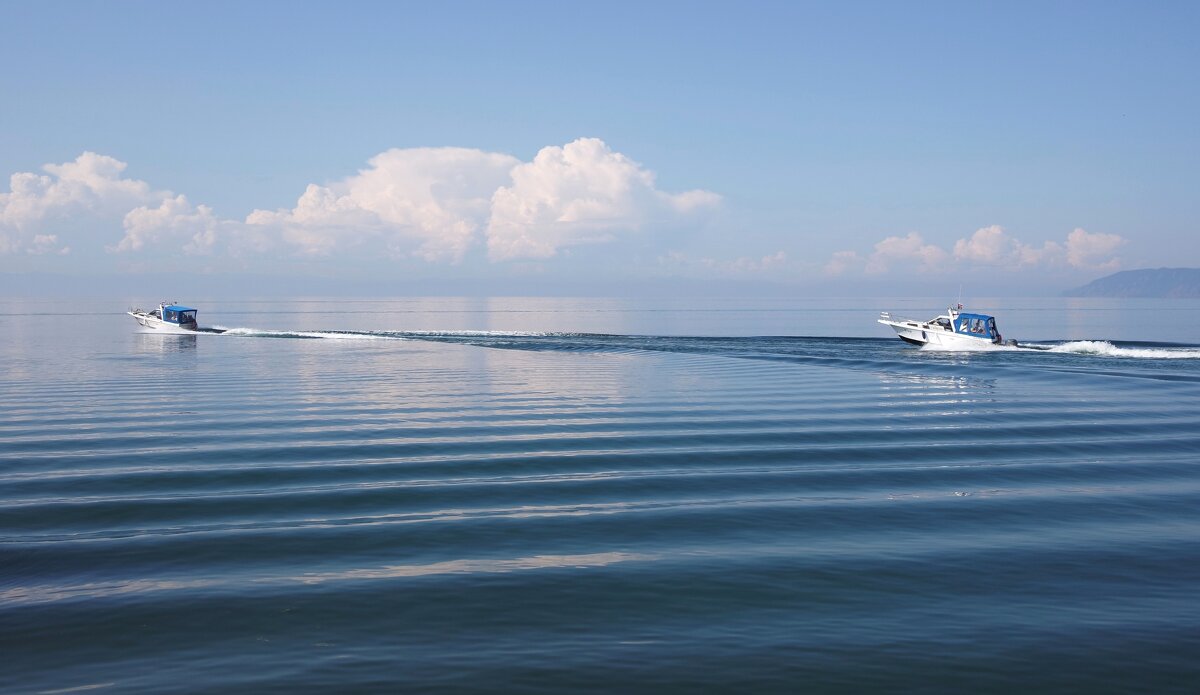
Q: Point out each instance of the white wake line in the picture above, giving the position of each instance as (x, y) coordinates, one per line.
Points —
(1098, 348)
(1104, 348)
(324, 335)
(381, 335)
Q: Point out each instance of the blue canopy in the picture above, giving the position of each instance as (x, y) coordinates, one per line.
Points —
(976, 324)
(176, 307)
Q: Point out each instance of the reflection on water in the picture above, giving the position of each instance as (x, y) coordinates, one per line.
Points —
(164, 343)
(959, 384)
(36, 595)
(471, 566)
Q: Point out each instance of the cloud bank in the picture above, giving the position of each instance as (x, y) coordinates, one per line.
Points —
(989, 247)
(581, 193)
(432, 203)
(88, 188)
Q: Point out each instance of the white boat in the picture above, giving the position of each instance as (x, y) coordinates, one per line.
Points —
(169, 317)
(954, 329)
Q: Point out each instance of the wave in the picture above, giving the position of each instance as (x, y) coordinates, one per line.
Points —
(387, 335)
(1100, 348)
(1104, 348)
(326, 335)
(763, 346)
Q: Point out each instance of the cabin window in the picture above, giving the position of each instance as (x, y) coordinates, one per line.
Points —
(170, 315)
(977, 327)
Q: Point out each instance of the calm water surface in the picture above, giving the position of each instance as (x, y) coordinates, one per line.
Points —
(598, 495)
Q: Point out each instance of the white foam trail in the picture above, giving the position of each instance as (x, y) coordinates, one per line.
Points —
(256, 332)
(383, 335)
(487, 334)
(1104, 348)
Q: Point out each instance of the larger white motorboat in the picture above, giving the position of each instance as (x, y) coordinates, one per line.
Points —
(169, 317)
(954, 329)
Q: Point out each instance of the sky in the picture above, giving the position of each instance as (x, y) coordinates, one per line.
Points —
(596, 148)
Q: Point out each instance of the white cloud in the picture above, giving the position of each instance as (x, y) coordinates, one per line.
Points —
(907, 250)
(992, 246)
(1081, 249)
(434, 203)
(843, 261)
(1087, 250)
(580, 193)
(90, 188)
(429, 201)
(194, 228)
(46, 243)
(988, 246)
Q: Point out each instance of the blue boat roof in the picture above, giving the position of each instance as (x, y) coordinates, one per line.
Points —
(985, 317)
(176, 307)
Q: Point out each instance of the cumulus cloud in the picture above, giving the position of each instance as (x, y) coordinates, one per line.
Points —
(580, 193)
(89, 188)
(436, 203)
(433, 203)
(46, 243)
(430, 201)
(174, 218)
(1093, 250)
(988, 246)
(992, 246)
(842, 262)
(907, 249)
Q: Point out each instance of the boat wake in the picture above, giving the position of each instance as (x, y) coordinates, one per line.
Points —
(760, 347)
(386, 335)
(323, 335)
(1104, 348)
(1098, 348)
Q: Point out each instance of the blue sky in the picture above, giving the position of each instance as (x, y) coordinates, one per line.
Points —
(492, 146)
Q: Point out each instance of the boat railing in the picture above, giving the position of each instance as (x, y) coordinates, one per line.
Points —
(887, 316)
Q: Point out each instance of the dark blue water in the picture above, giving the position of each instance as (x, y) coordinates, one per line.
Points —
(337, 497)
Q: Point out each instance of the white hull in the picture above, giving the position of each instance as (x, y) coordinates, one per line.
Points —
(975, 331)
(925, 334)
(156, 324)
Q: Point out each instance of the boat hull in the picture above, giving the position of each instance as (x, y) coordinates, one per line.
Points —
(927, 334)
(158, 325)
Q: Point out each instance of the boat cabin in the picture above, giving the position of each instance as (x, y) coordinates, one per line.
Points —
(976, 325)
(179, 315)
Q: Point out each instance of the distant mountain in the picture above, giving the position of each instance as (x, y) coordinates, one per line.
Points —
(1148, 282)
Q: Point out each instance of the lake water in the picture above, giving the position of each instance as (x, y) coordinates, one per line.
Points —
(598, 495)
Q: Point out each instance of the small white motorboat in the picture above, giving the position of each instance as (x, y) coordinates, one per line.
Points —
(169, 317)
(954, 329)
